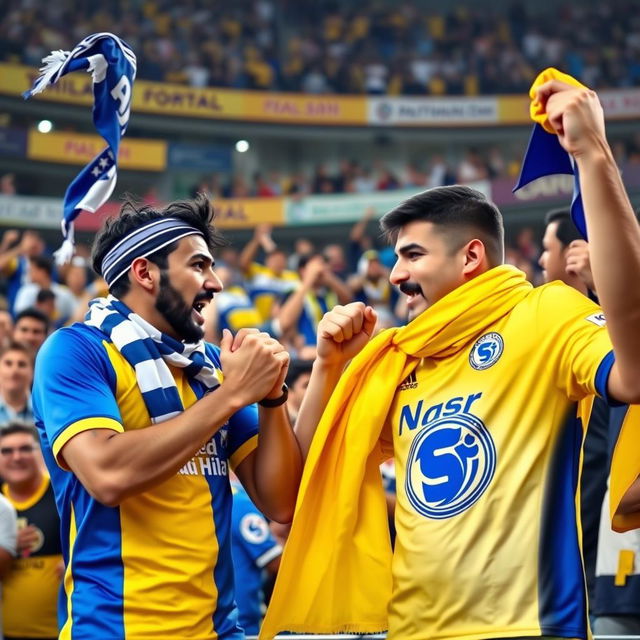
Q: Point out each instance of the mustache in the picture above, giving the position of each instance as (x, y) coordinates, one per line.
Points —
(410, 288)
(205, 295)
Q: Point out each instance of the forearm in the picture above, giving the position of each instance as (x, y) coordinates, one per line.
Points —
(291, 310)
(323, 380)
(340, 289)
(248, 254)
(614, 245)
(130, 462)
(278, 465)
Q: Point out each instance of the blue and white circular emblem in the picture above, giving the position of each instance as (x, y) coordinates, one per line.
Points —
(486, 351)
(451, 462)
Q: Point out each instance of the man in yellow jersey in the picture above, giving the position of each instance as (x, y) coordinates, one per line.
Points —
(139, 427)
(30, 591)
(476, 400)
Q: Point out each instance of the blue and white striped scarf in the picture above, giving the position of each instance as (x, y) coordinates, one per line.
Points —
(113, 67)
(149, 351)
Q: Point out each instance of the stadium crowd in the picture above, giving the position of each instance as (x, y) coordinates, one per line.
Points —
(396, 49)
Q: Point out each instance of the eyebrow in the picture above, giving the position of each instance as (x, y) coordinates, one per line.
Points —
(408, 248)
(202, 256)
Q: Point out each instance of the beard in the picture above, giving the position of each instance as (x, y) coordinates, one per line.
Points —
(176, 312)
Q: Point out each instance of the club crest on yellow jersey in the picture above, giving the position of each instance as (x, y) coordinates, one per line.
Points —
(486, 351)
(451, 462)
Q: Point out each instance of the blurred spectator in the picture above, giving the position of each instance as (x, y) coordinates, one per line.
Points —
(256, 557)
(31, 328)
(232, 306)
(15, 252)
(6, 328)
(8, 535)
(297, 381)
(318, 291)
(16, 376)
(265, 283)
(41, 277)
(30, 589)
(8, 184)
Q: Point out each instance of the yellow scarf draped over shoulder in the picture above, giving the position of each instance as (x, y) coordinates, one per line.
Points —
(335, 574)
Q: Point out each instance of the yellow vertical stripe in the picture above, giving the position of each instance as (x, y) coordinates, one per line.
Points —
(179, 550)
(65, 632)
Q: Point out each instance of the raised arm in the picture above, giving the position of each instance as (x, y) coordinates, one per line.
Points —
(261, 238)
(342, 333)
(614, 234)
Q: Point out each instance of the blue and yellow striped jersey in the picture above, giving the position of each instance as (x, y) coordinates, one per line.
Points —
(488, 454)
(236, 310)
(158, 565)
(265, 287)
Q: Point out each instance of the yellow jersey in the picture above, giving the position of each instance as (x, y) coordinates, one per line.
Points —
(488, 453)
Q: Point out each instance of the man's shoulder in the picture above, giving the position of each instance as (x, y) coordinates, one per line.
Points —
(77, 341)
(554, 298)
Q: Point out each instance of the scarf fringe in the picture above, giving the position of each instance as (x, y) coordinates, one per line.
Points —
(52, 64)
(65, 253)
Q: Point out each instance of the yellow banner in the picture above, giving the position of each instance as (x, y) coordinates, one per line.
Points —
(294, 108)
(178, 100)
(77, 148)
(247, 213)
(514, 110)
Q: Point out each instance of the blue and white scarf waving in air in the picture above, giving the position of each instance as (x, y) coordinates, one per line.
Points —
(149, 351)
(113, 65)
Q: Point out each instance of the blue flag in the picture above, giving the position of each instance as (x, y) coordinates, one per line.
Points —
(113, 65)
(545, 156)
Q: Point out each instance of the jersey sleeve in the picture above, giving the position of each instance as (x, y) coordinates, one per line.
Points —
(572, 331)
(252, 529)
(74, 388)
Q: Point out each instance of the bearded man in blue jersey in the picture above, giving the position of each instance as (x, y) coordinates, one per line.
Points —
(482, 399)
(139, 427)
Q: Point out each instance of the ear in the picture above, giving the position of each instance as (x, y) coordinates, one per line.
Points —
(475, 257)
(145, 274)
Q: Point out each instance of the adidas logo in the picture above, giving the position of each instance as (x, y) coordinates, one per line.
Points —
(410, 382)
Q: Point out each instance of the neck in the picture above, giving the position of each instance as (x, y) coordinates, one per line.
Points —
(577, 284)
(23, 491)
(17, 400)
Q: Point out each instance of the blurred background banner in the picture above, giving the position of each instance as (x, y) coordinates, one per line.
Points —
(76, 148)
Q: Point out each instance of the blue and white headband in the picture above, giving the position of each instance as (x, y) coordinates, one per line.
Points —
(142, 242)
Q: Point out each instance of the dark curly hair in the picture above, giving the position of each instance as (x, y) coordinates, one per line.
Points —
(197, 212)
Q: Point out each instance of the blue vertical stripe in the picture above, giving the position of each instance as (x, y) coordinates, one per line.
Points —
(98, 574)
(561, 584)
(225, 616)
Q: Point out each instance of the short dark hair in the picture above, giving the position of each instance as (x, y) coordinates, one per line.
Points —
(197, 212)
(461, 212)
(42, 262)
(296, 369)
(17, 346)
(304, 259)
(45, 295)
(19, 427)
(36, 314)
(567, 231)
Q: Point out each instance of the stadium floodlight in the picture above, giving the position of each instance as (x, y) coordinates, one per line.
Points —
(242, 146)
(45, 126)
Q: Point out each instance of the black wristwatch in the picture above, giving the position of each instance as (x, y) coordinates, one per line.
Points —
(270, 403)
